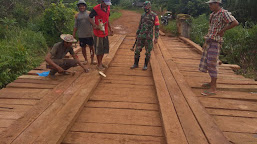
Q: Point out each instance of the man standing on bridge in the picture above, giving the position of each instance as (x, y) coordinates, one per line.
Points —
(101, 24)
(84, 30)
(220, 21)
(145, 34)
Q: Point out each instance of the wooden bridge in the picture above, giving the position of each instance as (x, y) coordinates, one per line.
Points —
(160, 105)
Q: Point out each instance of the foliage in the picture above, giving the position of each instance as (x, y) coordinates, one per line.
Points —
(171, 28)
(57, 20)
(199, 28)
(20, 53)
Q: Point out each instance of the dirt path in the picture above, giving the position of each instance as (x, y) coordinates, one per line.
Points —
(127, 24)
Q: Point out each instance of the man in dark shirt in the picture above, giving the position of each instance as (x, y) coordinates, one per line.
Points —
(101, 24)
(55, 57)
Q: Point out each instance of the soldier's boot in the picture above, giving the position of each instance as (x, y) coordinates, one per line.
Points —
(146, 63)
(135, 63)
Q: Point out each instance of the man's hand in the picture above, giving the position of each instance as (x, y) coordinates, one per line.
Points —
(86, 70)
(60, 70)
(221, 33)
(111, 33)
(95, 27)
(155, 41)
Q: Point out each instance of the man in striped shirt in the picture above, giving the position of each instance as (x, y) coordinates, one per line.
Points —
(220, 21)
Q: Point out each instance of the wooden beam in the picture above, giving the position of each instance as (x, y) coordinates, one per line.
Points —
(171, 124)
(211, 130)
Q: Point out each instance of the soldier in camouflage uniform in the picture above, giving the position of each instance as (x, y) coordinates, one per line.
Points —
(145, 34)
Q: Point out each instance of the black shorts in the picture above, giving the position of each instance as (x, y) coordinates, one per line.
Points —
(86, 41)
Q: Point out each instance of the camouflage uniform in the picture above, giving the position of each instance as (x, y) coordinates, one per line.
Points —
(145, 33)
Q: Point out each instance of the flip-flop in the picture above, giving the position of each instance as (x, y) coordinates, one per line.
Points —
(93, 63)
(206, 85)
(85, 62)
(207, 93)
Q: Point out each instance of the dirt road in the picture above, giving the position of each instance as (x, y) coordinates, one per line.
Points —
(127, 24)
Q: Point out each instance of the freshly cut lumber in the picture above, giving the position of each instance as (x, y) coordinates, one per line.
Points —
(101, 138)
(186, 117)
(118, 129)
(211, 130)
(172, 128)
(21, 124)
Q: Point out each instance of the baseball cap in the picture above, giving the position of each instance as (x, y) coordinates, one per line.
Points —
(107, 2)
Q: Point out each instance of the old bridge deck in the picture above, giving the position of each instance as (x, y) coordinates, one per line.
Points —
(161, 105)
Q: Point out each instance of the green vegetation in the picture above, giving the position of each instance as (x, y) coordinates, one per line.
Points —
(21, 50)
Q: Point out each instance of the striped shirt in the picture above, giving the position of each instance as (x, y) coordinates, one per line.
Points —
(218, 21)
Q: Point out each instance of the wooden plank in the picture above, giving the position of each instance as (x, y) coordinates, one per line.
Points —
(243, 138)
(120, 116)
(236, 124)
(35, 128)
(62, 122)
(232, 113)
(50, 82)
(21, 124)
(30, 85)
(171, 124)
(4, 123)
(18, 93)
(11, 114)
(18, 101)
(122, 105)
(211, 130)
(228, 104)
(186, 116)
(118, 129)
(128, 96)
(15, 108)
(99, 138)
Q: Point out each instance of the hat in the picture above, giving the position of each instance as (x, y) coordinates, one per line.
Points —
(213, 1)
(107, 2)
(81, 2)
(68, 38)
(147, 3)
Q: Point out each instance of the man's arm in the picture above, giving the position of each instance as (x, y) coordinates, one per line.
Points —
(110, 28)
(75, 26)
(157, 28)
(91, 20)
(229, 19)
(230, 26)
(139, 27)
(54, 65)
(80, 64)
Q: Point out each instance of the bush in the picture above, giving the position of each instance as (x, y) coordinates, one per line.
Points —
(20, 53)
(171, 28)
(199, 29)
(57, 20)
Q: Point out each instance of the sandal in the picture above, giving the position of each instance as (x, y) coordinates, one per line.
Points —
(93, 63)
(100, 68)
(206, 85)
(104, 66)
(85, 62)
(207, 93)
